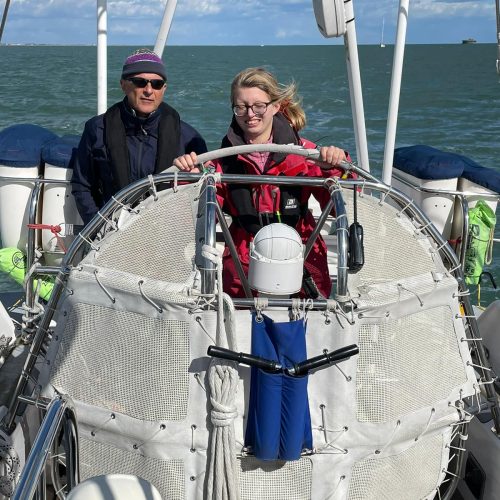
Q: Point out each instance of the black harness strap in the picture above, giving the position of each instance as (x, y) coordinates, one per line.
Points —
(116, 144)
(169, 138)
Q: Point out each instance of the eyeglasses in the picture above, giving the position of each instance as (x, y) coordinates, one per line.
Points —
(156, 84)
(258, 108)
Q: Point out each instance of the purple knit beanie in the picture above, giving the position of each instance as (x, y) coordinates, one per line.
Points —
(143, 61)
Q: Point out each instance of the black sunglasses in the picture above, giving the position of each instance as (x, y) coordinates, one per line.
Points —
(156, 84)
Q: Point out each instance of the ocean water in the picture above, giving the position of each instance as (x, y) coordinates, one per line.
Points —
(450, 95)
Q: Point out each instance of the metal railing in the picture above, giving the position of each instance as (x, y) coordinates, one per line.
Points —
(59, 418)
(461, 197)
(135, 190)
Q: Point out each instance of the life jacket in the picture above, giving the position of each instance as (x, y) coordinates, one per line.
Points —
(169, 133)
(259, 205)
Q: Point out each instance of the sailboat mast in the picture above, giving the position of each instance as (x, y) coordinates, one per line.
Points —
(6, 10)
(498, 35)
(102, 56)
(168, 15)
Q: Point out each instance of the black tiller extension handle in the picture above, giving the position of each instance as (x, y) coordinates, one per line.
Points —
(244, 358)
(328, 358)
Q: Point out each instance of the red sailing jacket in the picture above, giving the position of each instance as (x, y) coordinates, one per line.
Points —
(252, 207)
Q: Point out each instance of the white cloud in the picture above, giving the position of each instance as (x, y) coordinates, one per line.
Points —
(428, 8)
(234, 21)
(200, 7)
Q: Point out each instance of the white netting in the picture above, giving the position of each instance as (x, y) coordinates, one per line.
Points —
(160, 243)
(275, 480)
(110, 280)
(399, 364)
(410, 475)
(389, 240)
(387, 293)
(102, 347)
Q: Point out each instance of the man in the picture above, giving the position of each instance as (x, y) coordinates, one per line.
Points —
(138, 136)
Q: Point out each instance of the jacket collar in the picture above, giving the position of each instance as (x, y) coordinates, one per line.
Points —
(134, 124)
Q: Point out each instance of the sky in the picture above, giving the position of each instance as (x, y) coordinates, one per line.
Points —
(242, 22)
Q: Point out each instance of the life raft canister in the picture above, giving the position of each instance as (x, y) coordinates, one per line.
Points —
(482, 222)
(13, 263)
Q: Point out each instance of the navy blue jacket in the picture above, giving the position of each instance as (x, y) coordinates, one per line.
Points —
(93, 183)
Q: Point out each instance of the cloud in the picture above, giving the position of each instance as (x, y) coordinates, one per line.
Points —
(450, 8)
(240, 22)
(200, 7)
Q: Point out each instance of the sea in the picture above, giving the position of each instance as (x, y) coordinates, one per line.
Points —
(450, 96)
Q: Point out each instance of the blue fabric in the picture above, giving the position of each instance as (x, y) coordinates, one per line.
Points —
(21, 145)
(58, 152)
(426, 162)
(485, 177)
(279, 421)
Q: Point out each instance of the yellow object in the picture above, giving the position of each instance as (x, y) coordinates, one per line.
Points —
(13, 263)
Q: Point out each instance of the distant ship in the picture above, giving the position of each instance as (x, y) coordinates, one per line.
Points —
(469, 40)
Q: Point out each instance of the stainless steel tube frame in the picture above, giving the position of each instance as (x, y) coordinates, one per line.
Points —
(60, 414)
(209, 268)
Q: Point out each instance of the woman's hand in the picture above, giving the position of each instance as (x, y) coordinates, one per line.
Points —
(332, 155)
(187, 163)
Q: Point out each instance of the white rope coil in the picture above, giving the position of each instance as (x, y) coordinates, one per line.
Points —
(223, 378)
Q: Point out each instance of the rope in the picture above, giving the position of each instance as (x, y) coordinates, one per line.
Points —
(222, 483)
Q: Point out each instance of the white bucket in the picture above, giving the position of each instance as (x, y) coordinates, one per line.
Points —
(20, 157)
(59, 209)
(438, 207)
(14, 205)
(477, 193)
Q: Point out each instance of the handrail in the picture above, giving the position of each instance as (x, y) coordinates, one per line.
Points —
(451, 192)
(31, 244)
(34, 180)
(60, 414)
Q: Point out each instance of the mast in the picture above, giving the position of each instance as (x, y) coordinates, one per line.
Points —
(4, 18)
(397, 70)
(382, 44)
(168, 14)
(355, 89)
(102, 56)
(498, 35)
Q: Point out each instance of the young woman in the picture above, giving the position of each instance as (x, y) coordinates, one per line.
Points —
(267, 112)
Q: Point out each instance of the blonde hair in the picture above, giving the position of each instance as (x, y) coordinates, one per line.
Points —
(284, 95)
